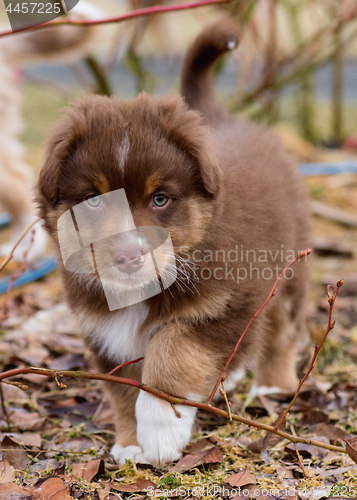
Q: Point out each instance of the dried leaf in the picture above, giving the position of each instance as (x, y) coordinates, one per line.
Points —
(53, 488)
(7, 472)
(88, 470)
(213, 455)
(351, 448)
(103, 494)
(42, 465)
(240, 479)
(199, 446)
(332, 472)
(308, 450)
(67, 362)
(330, 431)
(256, 445)
(271, 440)
(313, 417)
(12, 491)
(138, 486)
(23, 420)
(25, 439)
(14, 454)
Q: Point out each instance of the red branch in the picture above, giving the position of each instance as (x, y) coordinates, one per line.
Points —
(273, 292)
(125, 364)
(21, 237)
(331, 325)
(148, 11)
(167, 397)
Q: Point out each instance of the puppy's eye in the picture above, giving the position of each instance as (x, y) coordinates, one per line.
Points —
(160, 200)
(94, 202)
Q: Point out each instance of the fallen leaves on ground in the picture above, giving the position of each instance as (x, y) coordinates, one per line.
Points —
(55, 442)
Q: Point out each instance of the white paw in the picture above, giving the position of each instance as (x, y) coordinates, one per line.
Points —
(133, 453)
(162, 435)
(262, 390)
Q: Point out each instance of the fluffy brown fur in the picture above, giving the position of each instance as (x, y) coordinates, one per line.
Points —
(228, 183)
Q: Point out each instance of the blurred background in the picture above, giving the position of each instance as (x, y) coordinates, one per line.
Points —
(295, 70)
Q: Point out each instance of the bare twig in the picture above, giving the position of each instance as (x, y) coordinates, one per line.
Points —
(60, 384)
(271, 294)
(103, 86)
(300, 459)
(16, 384)
(306, 57)
(125, 364)
(177, 413)
(166, 397)
(331, 324)
(23, 234)
(149, 11)
(228, 403)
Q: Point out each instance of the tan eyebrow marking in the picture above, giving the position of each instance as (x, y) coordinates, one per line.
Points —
(151, 184)
(102, 184)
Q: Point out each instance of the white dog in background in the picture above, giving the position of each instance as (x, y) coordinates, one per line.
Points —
(65, 43)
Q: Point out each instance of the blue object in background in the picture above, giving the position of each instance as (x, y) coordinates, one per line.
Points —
(329, 168)
(5, 220)
(43, 267)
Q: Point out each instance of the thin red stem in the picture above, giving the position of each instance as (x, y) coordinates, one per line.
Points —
(23, 234)
(125, 364)
(148, 11)
(167, 397)
(271, 294)
(330, 327)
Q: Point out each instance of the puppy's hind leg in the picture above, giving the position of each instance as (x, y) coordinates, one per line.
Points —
(275, 369)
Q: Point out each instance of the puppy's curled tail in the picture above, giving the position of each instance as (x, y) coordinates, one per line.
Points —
(196, 76)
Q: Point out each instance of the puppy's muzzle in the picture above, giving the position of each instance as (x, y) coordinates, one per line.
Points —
(127, 261)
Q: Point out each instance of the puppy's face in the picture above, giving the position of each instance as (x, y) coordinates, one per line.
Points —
(128, 176)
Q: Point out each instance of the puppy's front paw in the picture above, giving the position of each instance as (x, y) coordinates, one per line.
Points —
(133, 453)
(160, 433)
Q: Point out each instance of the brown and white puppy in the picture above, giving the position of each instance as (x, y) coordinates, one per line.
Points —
(219, 187)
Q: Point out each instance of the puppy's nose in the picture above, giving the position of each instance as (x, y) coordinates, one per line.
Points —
(128, 262)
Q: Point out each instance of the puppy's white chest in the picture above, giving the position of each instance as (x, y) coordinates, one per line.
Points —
(117, 337)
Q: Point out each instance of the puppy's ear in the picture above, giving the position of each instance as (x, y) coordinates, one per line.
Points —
(186, 129)
(60, 146)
